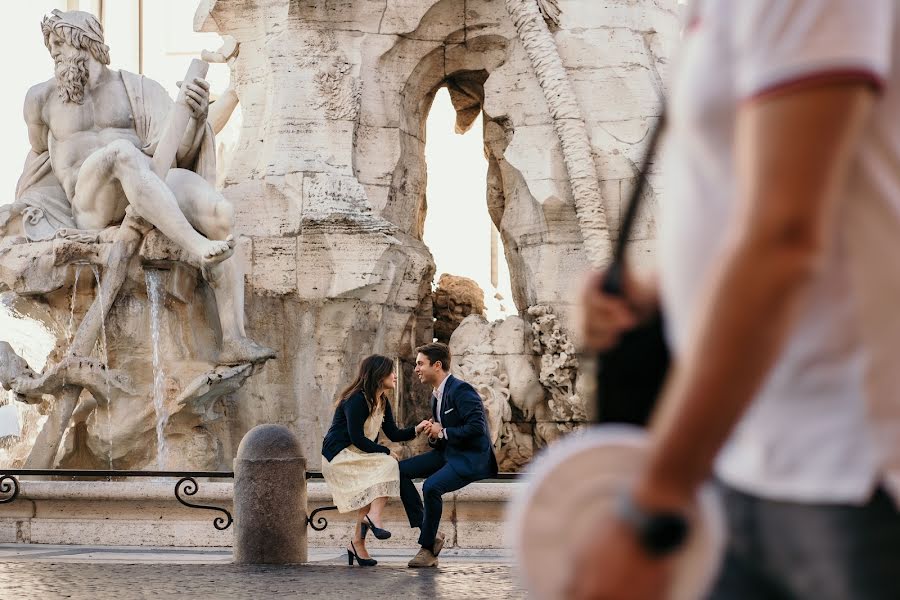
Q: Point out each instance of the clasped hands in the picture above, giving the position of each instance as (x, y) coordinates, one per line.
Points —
(428, 425)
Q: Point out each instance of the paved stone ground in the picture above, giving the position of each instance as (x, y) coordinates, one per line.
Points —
(54, 572)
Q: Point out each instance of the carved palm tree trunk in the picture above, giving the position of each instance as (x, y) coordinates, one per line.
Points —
(541, 48)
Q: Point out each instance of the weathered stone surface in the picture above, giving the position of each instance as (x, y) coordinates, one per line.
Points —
(270, 498)
(455, 299)
(328, 186)
(497, 359)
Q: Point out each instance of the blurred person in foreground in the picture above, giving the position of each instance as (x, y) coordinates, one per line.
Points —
(779, 244)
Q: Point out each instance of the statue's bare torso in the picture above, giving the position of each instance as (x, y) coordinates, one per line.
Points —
(84, 118)
(75, 131)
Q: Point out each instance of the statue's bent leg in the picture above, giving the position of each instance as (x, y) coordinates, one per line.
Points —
(121, 162)
(213, 215)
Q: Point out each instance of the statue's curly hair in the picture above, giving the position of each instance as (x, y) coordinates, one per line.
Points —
(75, 37)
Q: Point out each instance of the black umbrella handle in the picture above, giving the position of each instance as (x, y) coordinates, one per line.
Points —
(614, 279)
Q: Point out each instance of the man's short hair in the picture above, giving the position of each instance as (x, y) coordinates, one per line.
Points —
(436, 352)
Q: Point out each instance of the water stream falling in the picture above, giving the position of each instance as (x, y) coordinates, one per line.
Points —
(104, 356)
(70, 328)
(155, 291)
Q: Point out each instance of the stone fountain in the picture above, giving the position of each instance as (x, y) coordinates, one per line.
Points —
(116, 171)
(316, 231)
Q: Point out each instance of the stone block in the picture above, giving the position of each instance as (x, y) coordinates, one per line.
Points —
(616, 93)
(534, 151)
(619, 147)
(326, 195)
(513, 91)
(482, 53)
(274, 265)
(377, 152)
(378, 196)
(636, 15)
(269, 208)
(423, 20)
(327, 146)
(352, 15)
(603, 47)
(488, 17)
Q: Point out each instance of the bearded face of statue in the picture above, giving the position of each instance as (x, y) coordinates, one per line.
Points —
(71, 69)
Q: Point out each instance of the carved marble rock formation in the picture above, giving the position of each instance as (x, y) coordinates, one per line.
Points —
(326, 187)
(328, 180)
(455, 299)
(497, 360)
(559, 366)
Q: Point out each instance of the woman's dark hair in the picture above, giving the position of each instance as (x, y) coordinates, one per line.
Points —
(372, 371)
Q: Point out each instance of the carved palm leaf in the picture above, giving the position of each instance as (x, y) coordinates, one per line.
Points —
(551, 11)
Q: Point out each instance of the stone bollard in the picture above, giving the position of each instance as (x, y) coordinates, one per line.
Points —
(269, 498)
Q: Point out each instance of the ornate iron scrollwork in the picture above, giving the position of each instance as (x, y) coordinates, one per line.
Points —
(319, 523)
(9, 484)
(188, 486)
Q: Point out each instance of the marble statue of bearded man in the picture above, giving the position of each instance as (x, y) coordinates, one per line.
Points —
(93, 131)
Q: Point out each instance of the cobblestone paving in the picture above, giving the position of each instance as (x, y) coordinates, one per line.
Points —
(101, 581)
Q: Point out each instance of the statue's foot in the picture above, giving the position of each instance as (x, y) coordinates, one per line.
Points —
(243, 350)
(215, 251)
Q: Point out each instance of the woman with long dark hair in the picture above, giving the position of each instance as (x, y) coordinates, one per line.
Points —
(362, 474)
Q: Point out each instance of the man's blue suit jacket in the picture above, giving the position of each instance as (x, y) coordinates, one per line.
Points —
(468, 447)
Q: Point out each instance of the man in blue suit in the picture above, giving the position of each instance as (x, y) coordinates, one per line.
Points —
(461, 450)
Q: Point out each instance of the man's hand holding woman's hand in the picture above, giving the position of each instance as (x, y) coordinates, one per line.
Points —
(425, 425)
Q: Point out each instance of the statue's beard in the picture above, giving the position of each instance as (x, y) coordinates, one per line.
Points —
(71, 78)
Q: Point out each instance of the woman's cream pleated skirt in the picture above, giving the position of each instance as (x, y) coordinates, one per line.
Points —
(355, 478)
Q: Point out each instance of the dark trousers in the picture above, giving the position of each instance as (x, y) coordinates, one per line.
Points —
(440, 479)
(802, 551)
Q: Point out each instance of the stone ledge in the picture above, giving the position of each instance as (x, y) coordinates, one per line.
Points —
(146, 513)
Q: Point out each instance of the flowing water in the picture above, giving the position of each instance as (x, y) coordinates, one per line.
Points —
(104, 356)
(70, 329)
(155, 293)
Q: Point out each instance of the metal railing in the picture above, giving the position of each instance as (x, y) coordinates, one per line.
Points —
(186, 485)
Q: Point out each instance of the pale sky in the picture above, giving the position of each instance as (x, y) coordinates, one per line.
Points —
(457, 225)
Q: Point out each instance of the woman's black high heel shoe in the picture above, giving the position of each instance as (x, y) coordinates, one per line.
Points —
(363, 562)
(378, 532)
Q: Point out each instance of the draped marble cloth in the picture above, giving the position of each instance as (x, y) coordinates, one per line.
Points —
(355, 478)
(43, 202)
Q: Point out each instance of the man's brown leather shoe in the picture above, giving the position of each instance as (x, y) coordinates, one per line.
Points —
(423, 559)
(439, 540)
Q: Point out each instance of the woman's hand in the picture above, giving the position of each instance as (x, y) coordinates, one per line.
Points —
(396, 455)
(423, 426)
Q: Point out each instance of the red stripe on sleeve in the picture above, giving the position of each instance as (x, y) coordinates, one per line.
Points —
(829, 77)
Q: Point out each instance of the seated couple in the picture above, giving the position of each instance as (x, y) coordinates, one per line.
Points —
(362, 474)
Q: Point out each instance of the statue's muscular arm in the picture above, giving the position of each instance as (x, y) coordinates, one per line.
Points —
(38, 129)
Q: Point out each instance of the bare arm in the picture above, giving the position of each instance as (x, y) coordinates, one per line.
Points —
(33, 113)
(793, 154)
(197, 99)
(221, 110)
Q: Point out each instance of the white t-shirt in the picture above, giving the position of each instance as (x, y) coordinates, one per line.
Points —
(809, 435)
